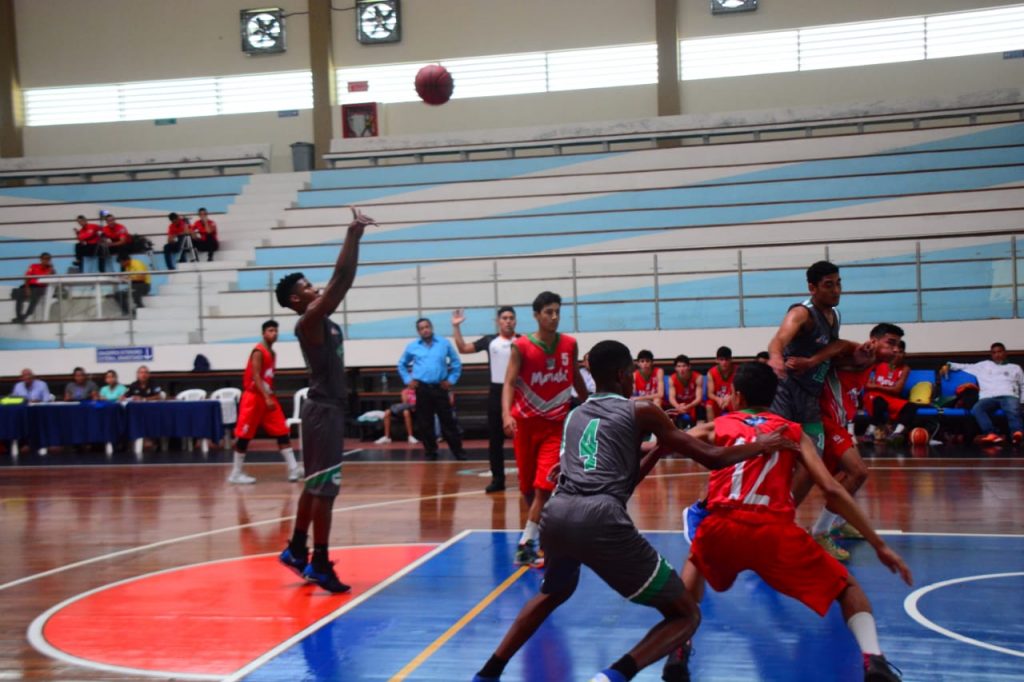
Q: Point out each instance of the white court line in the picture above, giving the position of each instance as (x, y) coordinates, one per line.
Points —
(910, 606)
(194, 536)
(38, 640)
(294, 639)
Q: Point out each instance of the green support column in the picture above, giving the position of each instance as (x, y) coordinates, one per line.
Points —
(321, 63)
(12, 110)
(666, 23)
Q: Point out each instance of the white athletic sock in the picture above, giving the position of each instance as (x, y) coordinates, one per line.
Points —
(862, 625)
(531, 532)
(870, 431)
(824, 523)
(838, 521)
(898, 430)
(238, 461)
(289, 456)
(850, 428)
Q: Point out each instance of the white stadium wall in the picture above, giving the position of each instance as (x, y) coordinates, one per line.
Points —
(71, 42)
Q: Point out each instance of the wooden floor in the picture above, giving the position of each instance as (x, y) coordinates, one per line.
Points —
(68, 529)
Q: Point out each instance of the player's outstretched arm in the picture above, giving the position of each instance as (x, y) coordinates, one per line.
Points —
(463, 346)
(344, 272)
(839, 501)
(651, 418)
(849, 353)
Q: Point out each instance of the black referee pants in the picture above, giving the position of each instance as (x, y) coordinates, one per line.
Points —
(496, 434)
(431, 399)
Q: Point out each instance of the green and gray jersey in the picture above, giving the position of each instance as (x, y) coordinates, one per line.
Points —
(600, 448)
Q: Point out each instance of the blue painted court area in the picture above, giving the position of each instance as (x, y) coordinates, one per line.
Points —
(748, 633)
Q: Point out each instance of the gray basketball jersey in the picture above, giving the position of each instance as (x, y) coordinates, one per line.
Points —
(326, 363)
(806, 344)
(600, 448)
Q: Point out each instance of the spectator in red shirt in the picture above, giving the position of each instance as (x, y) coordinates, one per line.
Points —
(176, 231)
(118, 241)
(32, 290)
(204, 235)
(88, 235)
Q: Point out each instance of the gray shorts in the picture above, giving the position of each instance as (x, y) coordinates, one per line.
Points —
(796, 403)
(323, 444)
(596, 531)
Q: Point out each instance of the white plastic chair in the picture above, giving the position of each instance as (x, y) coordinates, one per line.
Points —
(229, 398)
(295, 419)
(187, 394)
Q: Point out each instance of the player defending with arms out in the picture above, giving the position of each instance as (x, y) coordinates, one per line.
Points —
(750, 526)
(259, 407)
(322, 413)
(586, 522)
(844, 382)
(534, 402)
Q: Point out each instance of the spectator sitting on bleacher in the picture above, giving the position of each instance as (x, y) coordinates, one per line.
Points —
(648, 380)
(80, 388)
(88, 235)
(31, 389)
(139, 283)
(1001, 385)
(112, 390)
(118, 241)
(204, 235)
(176, 232)
(32, 290)
(719, 380)
(883, 395)
(406, 408)
(686, 393)
(142, 388)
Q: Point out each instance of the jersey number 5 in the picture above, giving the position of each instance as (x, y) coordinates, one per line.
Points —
(752, 497)
(588, 445)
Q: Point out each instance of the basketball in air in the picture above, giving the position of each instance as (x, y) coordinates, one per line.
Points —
(434, 84)
(919, 436)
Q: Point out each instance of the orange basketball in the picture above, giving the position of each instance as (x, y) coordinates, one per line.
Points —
(919, 436)
(434, 84)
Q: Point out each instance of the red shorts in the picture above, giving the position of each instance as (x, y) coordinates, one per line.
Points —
(784, 555)
(895, 403)
(837, 441)
(253, 413)
(537, 444)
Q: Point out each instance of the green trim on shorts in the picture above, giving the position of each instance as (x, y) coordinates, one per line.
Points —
(322, 478)
(657, 581)
(816, 432)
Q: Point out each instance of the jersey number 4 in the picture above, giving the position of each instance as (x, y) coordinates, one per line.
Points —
(588, 445)
(736, 488)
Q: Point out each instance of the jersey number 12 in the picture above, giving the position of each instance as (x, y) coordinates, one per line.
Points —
(752, 497)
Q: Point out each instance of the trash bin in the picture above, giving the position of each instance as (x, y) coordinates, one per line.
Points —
(302, 156)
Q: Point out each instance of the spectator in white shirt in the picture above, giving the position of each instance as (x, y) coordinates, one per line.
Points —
(1001, 386)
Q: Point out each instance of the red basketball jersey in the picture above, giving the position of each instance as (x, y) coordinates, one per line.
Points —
(249, 381)
(839, 396)
(723, 386)
(887, 375)
(685, 393)
(760, 485)
(544, 385)
(648, 386)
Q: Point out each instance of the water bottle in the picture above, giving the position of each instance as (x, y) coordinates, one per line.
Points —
(384, 381)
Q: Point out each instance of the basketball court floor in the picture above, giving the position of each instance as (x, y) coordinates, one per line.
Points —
(116, 570)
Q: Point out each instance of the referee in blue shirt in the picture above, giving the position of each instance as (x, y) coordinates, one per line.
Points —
(430, 366)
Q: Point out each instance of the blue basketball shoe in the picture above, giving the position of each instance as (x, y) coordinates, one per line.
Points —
(297, 564)
(692, 517)
(326, 579)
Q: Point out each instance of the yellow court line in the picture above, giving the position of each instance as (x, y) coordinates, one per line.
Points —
(454, 629)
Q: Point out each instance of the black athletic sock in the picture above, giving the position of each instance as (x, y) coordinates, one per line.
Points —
(627, 666)
(702, 503)
(493, 668)
(320, 562)
(298, 543)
